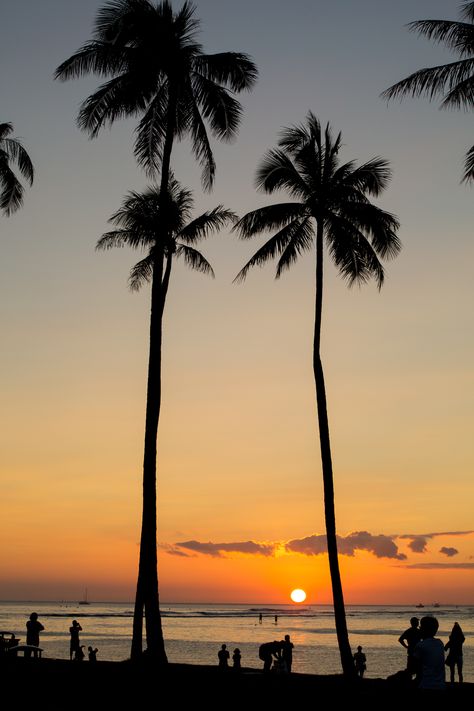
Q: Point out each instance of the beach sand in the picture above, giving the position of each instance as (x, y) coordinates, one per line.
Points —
(59, 684)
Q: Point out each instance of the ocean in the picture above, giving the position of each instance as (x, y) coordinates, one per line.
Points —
(194, 632)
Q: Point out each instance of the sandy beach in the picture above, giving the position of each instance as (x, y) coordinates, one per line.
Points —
(58, 684)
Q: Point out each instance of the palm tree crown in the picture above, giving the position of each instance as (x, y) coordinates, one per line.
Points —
(11, 151)
(453, 82)
(306, 165)
(146, 221)
(159, 71)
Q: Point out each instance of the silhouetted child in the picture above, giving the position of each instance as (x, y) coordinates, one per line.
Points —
(236, 657)
(92, 654)
(429, 654)
(79, 654)
(454, 658)
(360, 662)
(223, 655)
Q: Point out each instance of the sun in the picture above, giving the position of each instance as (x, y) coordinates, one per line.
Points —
(298, 595)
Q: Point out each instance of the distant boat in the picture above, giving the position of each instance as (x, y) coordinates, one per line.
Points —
(85, 601)
(420, 604)
(436, 604)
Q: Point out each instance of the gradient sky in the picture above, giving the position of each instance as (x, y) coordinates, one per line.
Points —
(238, 446)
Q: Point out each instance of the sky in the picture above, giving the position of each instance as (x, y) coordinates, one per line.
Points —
(240, 500)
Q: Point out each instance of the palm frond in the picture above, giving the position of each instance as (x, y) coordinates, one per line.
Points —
(268, 218)
(207, 223)
(234, 70)
(95, 57)
(125, 238)
(11, 190)
(218, 107)
(151, 132)
(141, 273)
(115, 99)
(301, 241)
(370, 178)
(432, 81)
(276, 245)
(194, 259)
(458, 36)
(461, 96)
(201, 146)
(467, 11)
(277, 171)
(377, 225)
(351, 251)
(15, 152)
(5, 130)
(468, 175)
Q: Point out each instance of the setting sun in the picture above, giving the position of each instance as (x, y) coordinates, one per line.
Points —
(298, 595)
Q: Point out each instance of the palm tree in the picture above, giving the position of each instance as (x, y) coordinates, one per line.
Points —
(161, 225)
(11, 190)
(454, 82)
(331, 205)
(159, 71)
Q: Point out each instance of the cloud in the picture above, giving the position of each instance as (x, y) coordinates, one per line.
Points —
(381, 546)
(418, 542)
(449, 551)
(218, 549)
(440, 566)
(172, 550)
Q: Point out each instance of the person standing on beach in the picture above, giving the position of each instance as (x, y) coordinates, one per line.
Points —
(287, 652)
(236, 658)
(75, 644)
(429, 654)
(409, 639)
(454, 658)
(92, 654)
(224, 656)
(33, 629)
(266, 653)
(360, 662)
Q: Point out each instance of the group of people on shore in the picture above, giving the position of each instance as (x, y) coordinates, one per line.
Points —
(280, 653)
(76, 649)
(425, 652)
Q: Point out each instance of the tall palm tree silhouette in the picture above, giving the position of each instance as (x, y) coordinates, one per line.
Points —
(454, 82)
(331, 205)
(12, 151)
(157, 70)
(161, 225)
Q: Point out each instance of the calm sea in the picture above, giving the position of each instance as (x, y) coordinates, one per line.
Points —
(194, 633)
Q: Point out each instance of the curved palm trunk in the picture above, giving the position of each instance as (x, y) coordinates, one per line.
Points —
(147, 596)
(328, 482)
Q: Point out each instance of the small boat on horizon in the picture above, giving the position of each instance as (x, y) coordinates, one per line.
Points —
(84, 601)
(420, 604)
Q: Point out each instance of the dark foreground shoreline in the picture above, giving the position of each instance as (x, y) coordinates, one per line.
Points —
(60, 684)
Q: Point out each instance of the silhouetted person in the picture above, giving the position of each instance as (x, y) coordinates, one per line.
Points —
(276, 619)
(287, 652)
(454, 658)
(92, 654)
(429, 654)
(360, 662)
(33, 629)
(409, 639)
(260, 618)
(79, 654)
(236, 659)
(75, 643)
(266, 653)
(223, 656)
